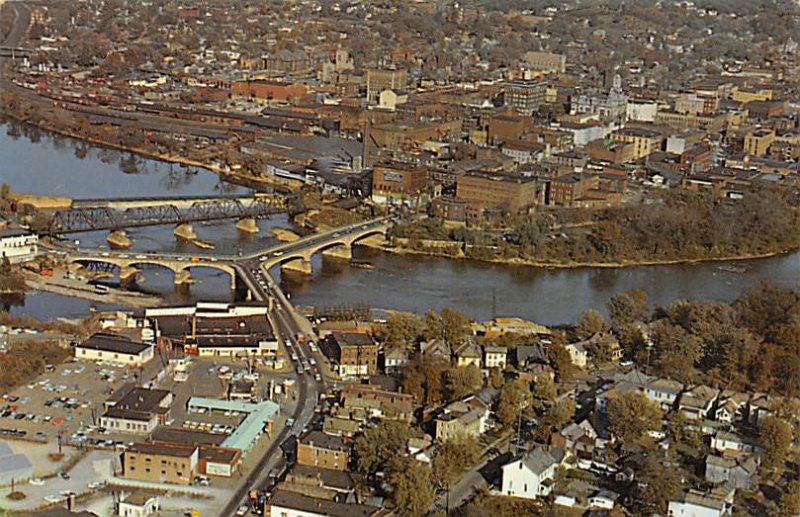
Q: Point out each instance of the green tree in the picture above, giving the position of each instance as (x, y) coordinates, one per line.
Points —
(632, 415)
(590, 323)
(412, 487)
(515, 397)
(776, 438)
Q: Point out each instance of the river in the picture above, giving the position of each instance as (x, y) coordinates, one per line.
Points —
(47, 164)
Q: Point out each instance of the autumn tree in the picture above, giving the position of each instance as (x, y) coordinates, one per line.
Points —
(789, 504)
(374, 448)
(555, 418)
(412, 487)
(463, 381)
(776, 438)
(454, 457)
(659, 481)
(590, 323)
(632, 415)
(426, 378)
(628, 307)
(515, 398)
(449, 325)
(676, 351)
(402, 329)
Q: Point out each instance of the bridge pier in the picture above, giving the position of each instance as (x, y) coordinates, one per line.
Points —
(298, 265)
(247, 225)
(183, 277)
(118, 240)
(343, 252)
(127, 276)
(185, 231)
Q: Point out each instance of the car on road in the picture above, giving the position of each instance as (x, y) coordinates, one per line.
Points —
(36, 481)
(318, 378)
(243, 510)
(64, 475)
(54, 498)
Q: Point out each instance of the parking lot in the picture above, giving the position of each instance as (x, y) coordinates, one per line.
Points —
(61, 400)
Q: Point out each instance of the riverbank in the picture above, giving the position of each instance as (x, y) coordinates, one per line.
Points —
(268, 183)
(114, 296)
(516, 261)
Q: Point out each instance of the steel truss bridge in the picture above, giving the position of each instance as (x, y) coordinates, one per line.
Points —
(96, 218)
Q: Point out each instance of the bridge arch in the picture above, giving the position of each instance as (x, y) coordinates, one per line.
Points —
(225, 268)
(369, 233)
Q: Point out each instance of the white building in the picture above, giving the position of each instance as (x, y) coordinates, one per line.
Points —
(115, 349)
(577, 353)
(694, 504)
(531, 476)
(494, 356)
(139, 504)
(641, 110)
(18, 244)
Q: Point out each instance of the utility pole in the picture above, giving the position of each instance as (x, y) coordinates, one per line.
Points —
(519, 429)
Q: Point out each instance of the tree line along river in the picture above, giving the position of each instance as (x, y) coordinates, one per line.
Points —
(40, 163)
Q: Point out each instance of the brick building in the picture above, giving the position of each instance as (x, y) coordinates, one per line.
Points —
(482, 191)
(160, 463)
(354, 353)
(267, 91)
(317, 449)
(397, 184)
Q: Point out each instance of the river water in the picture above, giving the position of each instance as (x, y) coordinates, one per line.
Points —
(52, 165)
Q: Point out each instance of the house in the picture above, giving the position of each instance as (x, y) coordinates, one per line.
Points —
(139, 503)
(731, 407)
(528, 355)
(603, 500)
(723, 441)
(317, 449)
(761, 405)
(18, 244)
(604, 341)
(355, 354)
(394, 360)
(114, 348)
(339, 426)
(435, 348)
(136, 410)
(285, 503)
(467, 416)
(577, 353)
(531, 475)
(696, 403)
(421, 449)
(318, 482)
(697, 504)
(664, 392)
(738, 471)
(494, 356)
(468, 353)
(364, 402)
